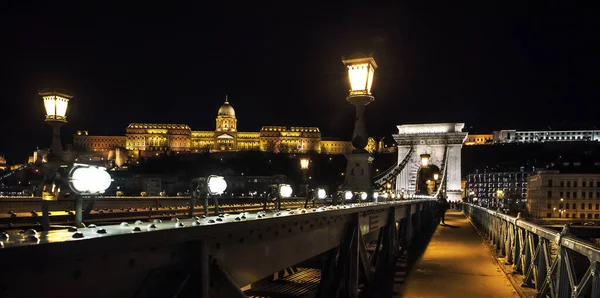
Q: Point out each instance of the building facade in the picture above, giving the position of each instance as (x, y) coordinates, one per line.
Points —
(479, 139)
(147, 139)
(552, 194)
(533, 136)
(492, 186)
(515, 136)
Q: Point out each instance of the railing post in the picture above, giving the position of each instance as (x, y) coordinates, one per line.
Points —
(565, 266)
(353, 268)
(418, 217)
(407, 228)
(540, 264)
(595, 279)
(79, 211)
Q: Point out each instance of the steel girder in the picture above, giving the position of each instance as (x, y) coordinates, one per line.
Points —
(185, 256)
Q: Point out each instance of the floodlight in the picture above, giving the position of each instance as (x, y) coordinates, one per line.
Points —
(321, 194)
(88, 179)
(285, 190)
(216, 185)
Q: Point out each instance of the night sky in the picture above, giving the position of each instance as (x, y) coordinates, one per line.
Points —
(493, 65)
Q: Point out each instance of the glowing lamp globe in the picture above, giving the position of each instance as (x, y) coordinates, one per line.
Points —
(285, 190)
(425, 160)
(436, 176)
(89, 180)
(363, 196)
(348, 195)
(216, 185)
(360, 74)
(56, 104)
(375, 195)
(321, 194)
(304, 163)
(385, 195)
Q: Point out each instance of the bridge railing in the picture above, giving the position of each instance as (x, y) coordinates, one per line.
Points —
(555, 264)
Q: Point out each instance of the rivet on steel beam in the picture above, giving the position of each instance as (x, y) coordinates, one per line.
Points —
(1, 244)
(138, 222)
(78, 235)
(179, 225)
(219, 219)
(137, 229)
(203, 216)
(124, 224)
(31, 232)
(151, 226)
(211, 221)
(175, 219)
(72, 229)
(237, 219)
(92, 226)
(243, 217)
(4, 236)
(196, 218)
(32, 238)
(157, 220)
(196, 223)
(101, 231)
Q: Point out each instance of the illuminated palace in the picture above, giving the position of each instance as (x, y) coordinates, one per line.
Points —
(146, 139)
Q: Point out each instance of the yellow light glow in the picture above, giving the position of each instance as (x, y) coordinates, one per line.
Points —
(425, 160)
(436, 176)
(48, 196)
(49, 105)
(55, 105)
(360, 74)
(304, 162)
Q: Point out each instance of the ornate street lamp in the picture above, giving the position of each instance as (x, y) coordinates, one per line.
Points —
(304, 164)
(56, 104)
(360, 75)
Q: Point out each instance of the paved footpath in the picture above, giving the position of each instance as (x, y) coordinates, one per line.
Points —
(457, 264)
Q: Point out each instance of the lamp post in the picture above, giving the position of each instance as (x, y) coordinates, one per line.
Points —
(304, 164)
(360, 75)
(500, 197)
(56, 104)
(87, 180)
(213, 186)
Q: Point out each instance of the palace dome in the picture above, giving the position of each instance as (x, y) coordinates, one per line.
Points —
(226, 109)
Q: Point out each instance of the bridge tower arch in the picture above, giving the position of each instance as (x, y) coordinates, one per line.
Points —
(443, 142)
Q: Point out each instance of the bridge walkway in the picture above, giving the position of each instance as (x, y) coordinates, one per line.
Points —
(456, 263)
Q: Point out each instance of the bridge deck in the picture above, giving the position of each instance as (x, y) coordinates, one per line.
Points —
(457, 264)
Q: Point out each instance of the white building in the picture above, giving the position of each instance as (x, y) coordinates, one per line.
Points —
(514, 136)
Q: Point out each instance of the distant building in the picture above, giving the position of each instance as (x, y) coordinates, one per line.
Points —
(149, 139)
(479, 139)
(239, 185)
(488, 185)
(558, 194)
(3, 165)
(514, 136)
(136, 184)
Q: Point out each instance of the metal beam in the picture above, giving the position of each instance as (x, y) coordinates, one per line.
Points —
(247, 248)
